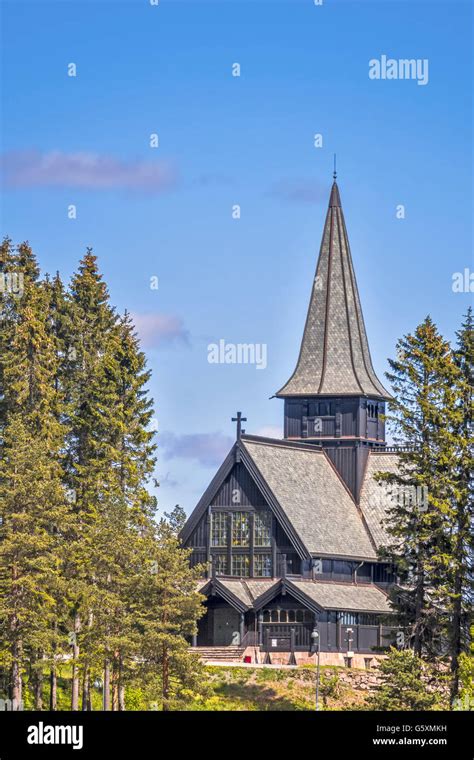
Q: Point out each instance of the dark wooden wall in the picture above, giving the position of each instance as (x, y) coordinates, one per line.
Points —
(340, 417)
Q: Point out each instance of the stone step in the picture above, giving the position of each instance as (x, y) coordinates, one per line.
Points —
(219, 653)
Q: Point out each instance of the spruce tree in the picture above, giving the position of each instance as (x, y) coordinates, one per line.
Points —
(403, 687)
(168, 608)
(33, 508)
(87, 327)
(460, 580)
(420, 514)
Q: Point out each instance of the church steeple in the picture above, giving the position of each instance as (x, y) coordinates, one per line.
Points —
(334, 398)
(334, 357)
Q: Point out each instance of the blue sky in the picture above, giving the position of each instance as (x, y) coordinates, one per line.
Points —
(247, 140)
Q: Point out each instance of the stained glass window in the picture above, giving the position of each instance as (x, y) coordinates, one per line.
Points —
(240, 529)
(263, 529)
(219, 529)
(240, 564)
(219, 563)
(262, 565)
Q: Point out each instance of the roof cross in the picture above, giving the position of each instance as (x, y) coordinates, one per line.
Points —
(239, 419)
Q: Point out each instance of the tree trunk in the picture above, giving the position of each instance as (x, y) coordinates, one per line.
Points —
(16, 651)
(106, 697)
(86, 690)
(121, 687)
(75, 668)
(165, 681)
(38, 685)
(419, 608)
(456, 632)
(115, 690)
(17, 685)
(53, 689)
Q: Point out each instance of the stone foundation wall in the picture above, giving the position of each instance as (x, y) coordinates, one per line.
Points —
(362, 661)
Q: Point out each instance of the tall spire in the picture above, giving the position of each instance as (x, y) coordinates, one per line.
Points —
(334, 356)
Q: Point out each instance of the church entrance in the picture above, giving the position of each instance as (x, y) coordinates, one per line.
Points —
(225, 627)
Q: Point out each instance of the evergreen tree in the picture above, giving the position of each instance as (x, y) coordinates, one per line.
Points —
(33, 509)
(129, 509)
(168, 608)
(460, 579)
(420, 515)
(465, 698)
(403, 687)
(87, 328)
(84, 568)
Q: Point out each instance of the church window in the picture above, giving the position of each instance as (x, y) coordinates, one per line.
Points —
(372, 411)
(262, 565)
(240, 565)
(288, 616)
(263, 528)
(219, 562)
(348, 618)
(240, 529)
(219, 529)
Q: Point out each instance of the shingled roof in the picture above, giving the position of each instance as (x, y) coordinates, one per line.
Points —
(344, 596)
(312, 496)
(373, 498)
(300, 484)
(246, 594)
(334, 356)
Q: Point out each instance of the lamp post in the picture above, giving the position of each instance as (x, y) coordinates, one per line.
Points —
(317, 645)
(350, 653)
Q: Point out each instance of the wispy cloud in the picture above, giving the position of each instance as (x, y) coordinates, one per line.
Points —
(85, 170)
(156, 329)
(208, 449)
(299, 190)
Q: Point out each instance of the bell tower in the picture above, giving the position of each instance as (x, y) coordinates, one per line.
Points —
(334, 398)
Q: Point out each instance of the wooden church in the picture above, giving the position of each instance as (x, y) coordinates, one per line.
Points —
(289, 529)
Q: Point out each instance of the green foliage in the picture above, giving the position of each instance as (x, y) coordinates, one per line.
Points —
(329, 686)
(84, 568)
(430, 539)
(403, 686)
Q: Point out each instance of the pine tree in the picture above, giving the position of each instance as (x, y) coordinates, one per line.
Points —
(422, 413)
(168, 608)
(403, 686)
(460, 575)
(128, 509)
(87, 327)
(110, 461)
(33, 509)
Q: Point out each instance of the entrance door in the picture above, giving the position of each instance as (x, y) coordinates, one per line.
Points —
(226, 627)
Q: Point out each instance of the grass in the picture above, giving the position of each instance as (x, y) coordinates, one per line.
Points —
(232, 689)
(271, 689)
